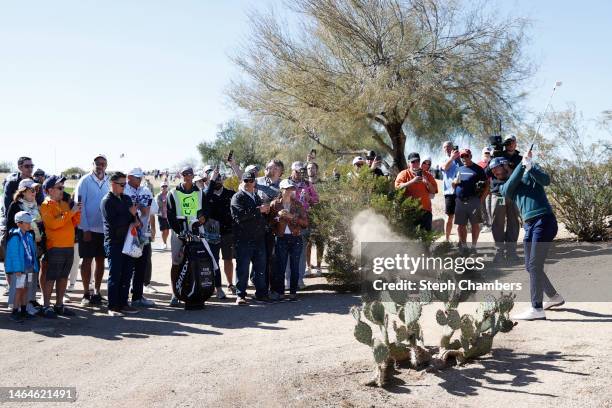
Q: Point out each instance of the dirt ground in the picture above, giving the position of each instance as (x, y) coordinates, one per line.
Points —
(304, 354)
(297, 354)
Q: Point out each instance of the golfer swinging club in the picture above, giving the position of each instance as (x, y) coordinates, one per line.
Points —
(525, 186)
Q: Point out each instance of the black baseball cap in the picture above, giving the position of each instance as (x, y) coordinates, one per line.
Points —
(52, 181)
(413, 157)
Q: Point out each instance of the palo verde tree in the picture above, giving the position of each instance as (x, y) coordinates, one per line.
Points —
(389, 68)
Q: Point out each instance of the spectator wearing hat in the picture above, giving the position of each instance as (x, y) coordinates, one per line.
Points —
(118, 213)
(449, 168)
(218, 202)
(505, 224)
(142, 198)
(25, 200)
(358, 163)
(11, 185)
(312, 171)
(89, 191)
(39, 176)
(60, 222)
(249, 227)
(20, 265)
(471, 187)
(162, 217)
(373, 161)
(418, 184)
(307, 195)
(185, 206)
(510, 152)
(525, 186)
(287, 217)
(486, 208)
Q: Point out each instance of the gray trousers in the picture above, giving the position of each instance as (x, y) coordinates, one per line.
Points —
(486, 211)
(505, 224)
(31, 284)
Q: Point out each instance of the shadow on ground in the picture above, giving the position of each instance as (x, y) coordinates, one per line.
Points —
(163, 320)
(518, 369)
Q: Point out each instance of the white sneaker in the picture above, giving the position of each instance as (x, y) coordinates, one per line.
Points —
(164, 246)
(220, 294)
(66, 297)
(530, 314)
(556, 300)
(70, 288)
(241, 301)
(301, 284)
(150, 290)
(307, 271)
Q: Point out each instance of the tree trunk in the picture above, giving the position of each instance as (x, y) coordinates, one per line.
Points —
(398, 141)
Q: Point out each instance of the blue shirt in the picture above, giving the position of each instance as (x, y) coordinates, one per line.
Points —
(470, 175)
(448, 176)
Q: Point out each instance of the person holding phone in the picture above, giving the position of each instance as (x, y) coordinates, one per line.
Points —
(374, 162)
(419, 184)
(449, 168)
(60, 221)
(142, 198)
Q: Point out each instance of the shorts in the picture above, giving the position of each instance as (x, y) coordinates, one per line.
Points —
(93, 248)
(176, 249)
(468, 209)
(449, 204)
(227, 246)
(59, 263)
(164, 225)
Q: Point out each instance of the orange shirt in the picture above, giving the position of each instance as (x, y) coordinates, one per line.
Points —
(417, 190)
(59, 223)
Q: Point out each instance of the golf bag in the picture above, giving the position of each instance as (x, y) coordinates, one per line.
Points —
(195, 283)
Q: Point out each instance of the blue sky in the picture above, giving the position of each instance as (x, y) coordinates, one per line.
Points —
(147, 78)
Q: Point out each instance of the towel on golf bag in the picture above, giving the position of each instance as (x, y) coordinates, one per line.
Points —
(196, 279)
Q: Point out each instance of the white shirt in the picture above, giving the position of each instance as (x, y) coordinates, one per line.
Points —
(141, 197)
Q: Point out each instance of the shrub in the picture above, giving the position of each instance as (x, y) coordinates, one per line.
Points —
(582, 197)
(340, 202)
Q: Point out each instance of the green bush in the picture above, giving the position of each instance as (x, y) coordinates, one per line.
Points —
(341, 201)
(582, 198)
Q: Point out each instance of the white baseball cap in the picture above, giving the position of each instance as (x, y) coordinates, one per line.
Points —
(286, 183)
(136, 172)
(27, 183)
(358, 159)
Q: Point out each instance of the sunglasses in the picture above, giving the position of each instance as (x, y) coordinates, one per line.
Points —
(187, 174)
(61, 188)
(28, 166)
(119, 184)
(249, 181)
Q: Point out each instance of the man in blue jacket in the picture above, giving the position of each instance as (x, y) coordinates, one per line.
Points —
(525, 187)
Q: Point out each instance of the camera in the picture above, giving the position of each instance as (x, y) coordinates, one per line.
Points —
(497, 145)
(419, 173)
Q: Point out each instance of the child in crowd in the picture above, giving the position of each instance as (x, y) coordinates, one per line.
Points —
(20, 265)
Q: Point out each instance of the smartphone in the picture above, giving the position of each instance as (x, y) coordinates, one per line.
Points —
(455, 147)
(80, 198)
(230, 155)
(419, 173)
